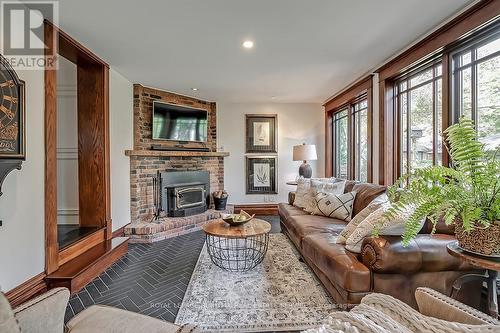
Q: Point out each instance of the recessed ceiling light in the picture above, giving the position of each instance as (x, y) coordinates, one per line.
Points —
(194, 89)
(248, 44)
(273, 97)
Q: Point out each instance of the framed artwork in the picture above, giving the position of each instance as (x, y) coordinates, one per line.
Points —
(261, 175)
(12, 119)
(261, 133)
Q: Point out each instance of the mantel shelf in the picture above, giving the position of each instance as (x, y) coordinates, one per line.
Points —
(161, 153)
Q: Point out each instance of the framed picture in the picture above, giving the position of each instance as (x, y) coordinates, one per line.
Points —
(12, 114)
(261, 133)
(261, 174)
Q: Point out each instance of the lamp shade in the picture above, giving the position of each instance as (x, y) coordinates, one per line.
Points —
(304, 153)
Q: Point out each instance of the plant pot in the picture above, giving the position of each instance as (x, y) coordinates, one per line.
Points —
(220, 203)
(483, 240)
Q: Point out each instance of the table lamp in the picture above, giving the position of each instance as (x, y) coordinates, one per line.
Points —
(305, 153)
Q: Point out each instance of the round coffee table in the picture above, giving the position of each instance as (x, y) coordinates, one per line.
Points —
(240, 248)
(492, 266)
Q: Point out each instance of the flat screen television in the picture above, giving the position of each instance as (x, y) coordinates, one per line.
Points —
(179, 123)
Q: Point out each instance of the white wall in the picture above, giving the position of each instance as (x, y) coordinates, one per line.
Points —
(121, 98)
(22, 205)
(67, 143)
(297, 123)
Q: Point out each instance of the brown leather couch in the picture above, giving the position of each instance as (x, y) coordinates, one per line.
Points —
(384, 264)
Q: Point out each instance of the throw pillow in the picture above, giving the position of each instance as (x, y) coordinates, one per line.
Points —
(302, 194)
(318, 186)
(394, 227)
(335, 206)
(8, 323)
(360, 217)
(303, 185)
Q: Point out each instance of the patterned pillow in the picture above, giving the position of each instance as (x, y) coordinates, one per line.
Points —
(318, 186)
(303, 185)
(358, 218)
(394, 227)
(335, 206)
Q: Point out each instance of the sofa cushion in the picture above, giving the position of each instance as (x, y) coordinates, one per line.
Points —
(360, 217)
(286, 210)
(100, 318)
(300, 226)
(341, 266)
(8, 323)
(365, 194)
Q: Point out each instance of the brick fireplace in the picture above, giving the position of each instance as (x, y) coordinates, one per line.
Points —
(145, 162)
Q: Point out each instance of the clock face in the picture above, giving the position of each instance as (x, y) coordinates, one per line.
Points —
(10, 113)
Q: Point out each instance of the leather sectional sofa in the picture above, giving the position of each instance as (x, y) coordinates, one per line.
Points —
(384, 264)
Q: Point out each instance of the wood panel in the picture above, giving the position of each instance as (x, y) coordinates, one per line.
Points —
(91, 145)
(119, 232)
(348, 94)
(50, 115)
(476, 17)
(82, 245)
(27, 290)
(107, 163)
(76, 273)
(257, 209)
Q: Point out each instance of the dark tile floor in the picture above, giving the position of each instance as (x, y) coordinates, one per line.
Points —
(148, 275)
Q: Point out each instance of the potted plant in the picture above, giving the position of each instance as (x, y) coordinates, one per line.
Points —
(466, 194)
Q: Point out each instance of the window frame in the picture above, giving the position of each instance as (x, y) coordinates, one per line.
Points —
(352, 160)
(398, 126)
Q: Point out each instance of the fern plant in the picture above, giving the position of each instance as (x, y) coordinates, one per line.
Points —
(467, 193)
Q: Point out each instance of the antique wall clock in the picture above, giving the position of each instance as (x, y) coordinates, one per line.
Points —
(12, 121)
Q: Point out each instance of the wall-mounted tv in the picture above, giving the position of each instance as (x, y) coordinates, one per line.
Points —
(179, 123)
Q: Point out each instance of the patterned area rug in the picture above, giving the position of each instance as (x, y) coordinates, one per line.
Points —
(278, 295)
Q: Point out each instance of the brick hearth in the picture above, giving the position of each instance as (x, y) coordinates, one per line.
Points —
(143, 168)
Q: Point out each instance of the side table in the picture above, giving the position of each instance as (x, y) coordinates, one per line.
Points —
(492, 266)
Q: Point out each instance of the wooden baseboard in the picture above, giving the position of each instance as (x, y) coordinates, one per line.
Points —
(257, 209)
(120, 232)
(27, 290)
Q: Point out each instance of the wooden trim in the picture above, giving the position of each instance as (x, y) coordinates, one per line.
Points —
(120, 232)
(328, 144)
(257, 209)
(348, 97)
(461, 26)
(93, 137)
(50, 115)
(349, 94)
(82, 245)
(446, 86)
(27, 290)
(107, 157)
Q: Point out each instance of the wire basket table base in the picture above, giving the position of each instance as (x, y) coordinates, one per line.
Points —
(237, 254)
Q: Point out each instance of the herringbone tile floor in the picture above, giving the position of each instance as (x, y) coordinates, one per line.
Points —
(150, 279)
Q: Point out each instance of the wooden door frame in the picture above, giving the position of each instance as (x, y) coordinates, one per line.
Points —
(58, 42)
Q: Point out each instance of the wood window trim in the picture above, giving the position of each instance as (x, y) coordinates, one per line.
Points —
(59, 42)
(348, 97)
(434, 45)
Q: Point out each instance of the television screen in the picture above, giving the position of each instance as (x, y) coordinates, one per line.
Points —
(179, 123)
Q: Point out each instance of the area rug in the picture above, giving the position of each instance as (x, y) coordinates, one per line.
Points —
(281, 294)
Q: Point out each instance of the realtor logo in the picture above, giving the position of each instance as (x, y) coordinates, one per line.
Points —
(22, 33)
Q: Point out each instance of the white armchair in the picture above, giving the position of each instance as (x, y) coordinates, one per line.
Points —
(45, 314)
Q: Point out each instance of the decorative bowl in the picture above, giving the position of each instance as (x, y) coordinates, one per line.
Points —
(237, 219)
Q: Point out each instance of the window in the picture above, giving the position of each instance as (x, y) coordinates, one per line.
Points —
(418, 105)
(476, 86)
(350, 140)
(341, 144)
(360, 122)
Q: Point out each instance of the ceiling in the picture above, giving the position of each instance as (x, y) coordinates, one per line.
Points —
(305, 50)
